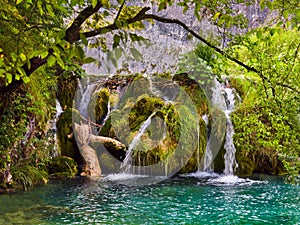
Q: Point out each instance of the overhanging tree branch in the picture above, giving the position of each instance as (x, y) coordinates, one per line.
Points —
(138, 17)
(72, 35)
(143, 16)
(184, 26)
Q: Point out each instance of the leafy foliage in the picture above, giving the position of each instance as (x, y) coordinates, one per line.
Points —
(268, 119)
(35, 33)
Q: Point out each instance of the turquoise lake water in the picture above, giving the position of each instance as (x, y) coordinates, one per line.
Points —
(179, 200)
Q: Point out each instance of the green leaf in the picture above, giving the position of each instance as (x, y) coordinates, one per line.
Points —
(110, 57)
(19, 1)
(106, 13)
(51, 60)
(136, 54)
(83, 39)
(88, 60)
(105, 3)
(270, 5)
(44, 54)
(61, 34)
(50, 10)
(117, 39)
(162, 6)
(94, 3)
(285, 14)
(80, 52)
(216, 16)
(13, 56)
(8, 78)
(56, 50)
(23, 57)
(21, 71)
(25, 79)
(118, 53)
(74, 2)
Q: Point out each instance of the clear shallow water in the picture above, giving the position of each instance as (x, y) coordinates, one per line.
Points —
(197, 199)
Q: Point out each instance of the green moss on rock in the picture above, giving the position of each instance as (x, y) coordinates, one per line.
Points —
(66, 141)
(63, 167)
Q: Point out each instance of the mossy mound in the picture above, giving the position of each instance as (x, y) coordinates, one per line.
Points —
(172, 126)
(67, 86)
(63, 167)
(98, 107)
(194, 91)
(66, 140)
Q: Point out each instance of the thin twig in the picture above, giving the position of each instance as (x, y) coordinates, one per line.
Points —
(120, 10)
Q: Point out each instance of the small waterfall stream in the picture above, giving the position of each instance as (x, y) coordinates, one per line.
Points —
(208, 156)
(223, 98)
(126, 165)
(230, 161)
(107, 114)
(85, 97)
(59, 110)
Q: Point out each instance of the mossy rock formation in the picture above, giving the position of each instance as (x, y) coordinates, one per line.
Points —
(63, 167)
(172, 126)
(66, 140)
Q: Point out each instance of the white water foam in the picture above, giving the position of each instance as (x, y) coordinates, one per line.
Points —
(123, 176)
(231, 180)
(201, 174)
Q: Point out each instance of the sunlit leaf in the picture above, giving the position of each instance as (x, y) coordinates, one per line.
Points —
(23, 57)
(44, 54)
(51, 60)
(8, 78)
(25, 79)
(88, 60)
(94, 3)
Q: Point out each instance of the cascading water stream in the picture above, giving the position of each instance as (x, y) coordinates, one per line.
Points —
(230, 161)
(85, 97)
(126, 165)
(225, 101)
(227, 106)
(208, 156)
(223, 98)
(59, 111)
(107, 114)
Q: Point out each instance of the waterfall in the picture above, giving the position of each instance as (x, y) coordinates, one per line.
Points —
(126, 165)
(230, 161)
(85, 97)
(59, 111)
(107, 114)
(223, 98)
(208, 155)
